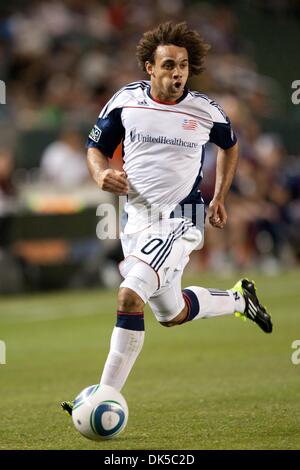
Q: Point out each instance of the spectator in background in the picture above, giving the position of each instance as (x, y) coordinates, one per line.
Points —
(7, 194)
(11, 280)
(63, 161)
(55, 51)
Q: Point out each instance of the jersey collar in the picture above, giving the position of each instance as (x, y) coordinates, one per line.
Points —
(184, 94)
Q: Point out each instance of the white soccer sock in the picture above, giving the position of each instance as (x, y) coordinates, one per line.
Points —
(213, 302)
(125, 346)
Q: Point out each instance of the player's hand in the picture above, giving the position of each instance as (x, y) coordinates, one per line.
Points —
(217, 213)
(113, 181)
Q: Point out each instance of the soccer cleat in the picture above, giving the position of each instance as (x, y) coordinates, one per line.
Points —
(254, 310)
(67, 406)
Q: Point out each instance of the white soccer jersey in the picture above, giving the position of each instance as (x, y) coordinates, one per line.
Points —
(163, 149)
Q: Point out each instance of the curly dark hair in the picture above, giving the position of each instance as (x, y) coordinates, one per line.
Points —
(177, 35)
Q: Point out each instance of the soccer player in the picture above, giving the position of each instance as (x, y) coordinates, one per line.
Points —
(163, 127)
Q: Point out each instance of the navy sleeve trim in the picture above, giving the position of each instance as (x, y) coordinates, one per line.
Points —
(107, 133)
(222, 135)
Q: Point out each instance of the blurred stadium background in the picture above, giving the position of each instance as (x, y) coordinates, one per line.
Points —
(61, 61)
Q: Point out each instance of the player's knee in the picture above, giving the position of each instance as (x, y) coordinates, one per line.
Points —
(178, 320)
(129, 301)
(168, 323)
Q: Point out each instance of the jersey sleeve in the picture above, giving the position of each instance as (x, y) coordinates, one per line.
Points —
(108, 131)
(221, 132)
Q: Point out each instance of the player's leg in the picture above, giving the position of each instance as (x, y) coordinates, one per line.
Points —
(204, 302)
(241, 299)
(128, 334)
(174, 307)
(197, 302)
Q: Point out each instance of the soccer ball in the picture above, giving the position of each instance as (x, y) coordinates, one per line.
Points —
(100, 412)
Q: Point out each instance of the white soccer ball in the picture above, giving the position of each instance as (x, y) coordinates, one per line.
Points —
(100, 412)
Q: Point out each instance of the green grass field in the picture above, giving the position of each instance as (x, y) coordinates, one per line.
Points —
(210, 384)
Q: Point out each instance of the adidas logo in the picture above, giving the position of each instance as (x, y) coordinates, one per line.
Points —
(143, 103)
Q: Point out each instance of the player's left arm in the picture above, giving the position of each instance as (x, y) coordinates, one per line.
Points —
(225, 170)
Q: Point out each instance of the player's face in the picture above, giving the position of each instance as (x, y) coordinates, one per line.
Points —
(169, 72)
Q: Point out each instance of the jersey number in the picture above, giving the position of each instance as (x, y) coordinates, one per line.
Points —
(149, 248)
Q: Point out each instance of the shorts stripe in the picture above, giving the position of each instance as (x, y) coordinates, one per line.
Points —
(162, 249)
(162, 255)
(170, 248)
(168, 245)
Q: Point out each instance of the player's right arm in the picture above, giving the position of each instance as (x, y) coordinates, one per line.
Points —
(102, 142)
(106, 178)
